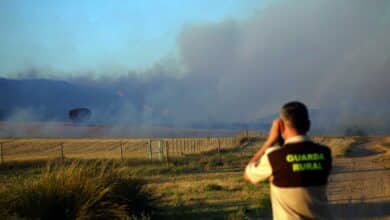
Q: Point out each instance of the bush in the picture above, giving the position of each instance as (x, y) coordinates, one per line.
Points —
(355, 131)
(213, 187)
(249, 140)
(231, 160)
(240, 214)
(78, 192)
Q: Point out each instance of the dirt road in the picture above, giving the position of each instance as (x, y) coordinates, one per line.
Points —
(359, 188)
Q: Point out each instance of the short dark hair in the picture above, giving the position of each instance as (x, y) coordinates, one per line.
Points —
(297, 115)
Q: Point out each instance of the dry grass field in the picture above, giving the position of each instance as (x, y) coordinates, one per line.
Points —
(20, 149)
(202, 183)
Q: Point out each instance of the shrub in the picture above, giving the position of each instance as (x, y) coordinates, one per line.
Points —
(213, 187)
(249, 140)
(355, 131)
(231, 160)
(240, 214)
(78, 192)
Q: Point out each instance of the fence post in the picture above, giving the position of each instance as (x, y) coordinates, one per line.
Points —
(241, 148)
(219, 150)
(150, 149)
(173, 146)
(1, 153)
(177, 144)
(121, 150)
(62, 152)
(166, 144)
(184, 146)
(174, 141)
(181, 143)
(160, 147)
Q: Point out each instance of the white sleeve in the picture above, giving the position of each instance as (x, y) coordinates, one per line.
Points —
(262, 171)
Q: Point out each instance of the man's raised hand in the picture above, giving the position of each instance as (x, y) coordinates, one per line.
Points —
(274, 132)
(271, 140)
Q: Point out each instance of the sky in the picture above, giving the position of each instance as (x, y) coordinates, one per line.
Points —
(101, 37)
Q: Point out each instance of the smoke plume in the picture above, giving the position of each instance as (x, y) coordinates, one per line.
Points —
(332, 55)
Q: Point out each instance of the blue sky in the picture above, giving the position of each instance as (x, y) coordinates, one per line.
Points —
(101, 37)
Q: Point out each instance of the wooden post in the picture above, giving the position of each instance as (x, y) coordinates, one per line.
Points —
(219, 150)
(160, 147)
(173, 146)
(241, 154)
(176, 147)
(150, 149)
(184, 146)
(181, 147)
(167, 151)
(188, 146)
(62, 151)
(121, 150)
(1, 153)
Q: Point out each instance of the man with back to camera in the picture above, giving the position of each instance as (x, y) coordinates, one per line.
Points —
(298, 170)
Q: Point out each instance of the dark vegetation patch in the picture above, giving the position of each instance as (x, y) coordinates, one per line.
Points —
(77, 191)
(213, 187)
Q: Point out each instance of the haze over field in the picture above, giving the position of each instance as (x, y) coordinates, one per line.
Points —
(232, 63)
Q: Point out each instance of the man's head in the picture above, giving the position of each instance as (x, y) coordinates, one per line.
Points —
(295, 117)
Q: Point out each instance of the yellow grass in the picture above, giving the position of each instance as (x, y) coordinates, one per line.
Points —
(184, 194)
(105, 148)
(338, 145)
(110, 148)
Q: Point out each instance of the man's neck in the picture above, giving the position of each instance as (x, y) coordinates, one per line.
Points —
(292, 134)
(296, 139)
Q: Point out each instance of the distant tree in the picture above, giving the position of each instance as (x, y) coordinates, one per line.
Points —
(79, 115)
(354, 131)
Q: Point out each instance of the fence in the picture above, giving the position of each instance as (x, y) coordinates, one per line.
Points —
(152, 149)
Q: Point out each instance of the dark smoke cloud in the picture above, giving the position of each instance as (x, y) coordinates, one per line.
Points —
(332, 55)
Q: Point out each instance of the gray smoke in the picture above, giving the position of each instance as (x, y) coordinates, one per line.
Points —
(333, 55)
